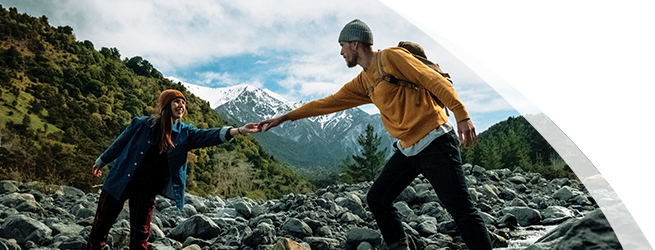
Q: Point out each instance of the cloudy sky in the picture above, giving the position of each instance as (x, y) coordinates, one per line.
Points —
(289, 47)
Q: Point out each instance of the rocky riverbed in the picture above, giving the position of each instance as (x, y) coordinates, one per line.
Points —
(522, 210)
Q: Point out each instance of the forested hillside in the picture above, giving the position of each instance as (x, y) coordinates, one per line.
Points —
(618, 139)
(62, 103)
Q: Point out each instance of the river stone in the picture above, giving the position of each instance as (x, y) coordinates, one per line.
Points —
(264, 233)
(564, 193)
(24, 229)
(525, 216)
(198, 226)
(593, 231)
(296, 226)
(320, 243)
(357, 235)
(7, 187)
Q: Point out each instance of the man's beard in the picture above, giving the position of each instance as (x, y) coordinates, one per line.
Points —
(353, 62)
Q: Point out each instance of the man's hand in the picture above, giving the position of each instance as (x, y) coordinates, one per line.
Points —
(466, 133)
(271, 123)
(95, 170)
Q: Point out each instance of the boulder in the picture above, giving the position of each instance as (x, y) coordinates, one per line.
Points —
(24, 229)
(199, 226)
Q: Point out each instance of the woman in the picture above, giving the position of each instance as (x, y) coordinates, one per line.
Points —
(149, 159)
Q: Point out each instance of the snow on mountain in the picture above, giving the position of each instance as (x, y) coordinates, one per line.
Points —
(316, 141)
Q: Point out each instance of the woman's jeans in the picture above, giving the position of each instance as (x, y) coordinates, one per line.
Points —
(141, 205)
(441, 164)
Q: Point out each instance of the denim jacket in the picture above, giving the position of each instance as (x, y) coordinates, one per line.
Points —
(130, 147)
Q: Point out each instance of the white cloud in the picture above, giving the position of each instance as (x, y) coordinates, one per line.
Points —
(561, 54)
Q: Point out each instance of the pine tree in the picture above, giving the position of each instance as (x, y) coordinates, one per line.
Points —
(367, 166)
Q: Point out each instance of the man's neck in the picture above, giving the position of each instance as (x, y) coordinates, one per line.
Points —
(365, 58)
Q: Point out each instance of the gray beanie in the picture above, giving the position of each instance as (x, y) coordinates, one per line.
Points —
(356, 30)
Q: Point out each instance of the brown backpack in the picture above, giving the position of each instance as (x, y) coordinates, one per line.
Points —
(417, 51)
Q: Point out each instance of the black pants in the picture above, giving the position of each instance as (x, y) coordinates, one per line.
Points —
(141, 205)
(441, 164)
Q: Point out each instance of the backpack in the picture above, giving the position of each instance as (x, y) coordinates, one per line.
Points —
(418, 53)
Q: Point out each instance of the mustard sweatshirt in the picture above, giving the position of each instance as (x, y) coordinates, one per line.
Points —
(409, 114)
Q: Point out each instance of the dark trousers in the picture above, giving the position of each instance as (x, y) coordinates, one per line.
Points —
(441, 164)
(141, 207)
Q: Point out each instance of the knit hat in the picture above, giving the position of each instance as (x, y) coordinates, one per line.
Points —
(356, 30)
(167, 96)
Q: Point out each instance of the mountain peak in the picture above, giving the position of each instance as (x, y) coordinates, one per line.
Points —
(219, 96)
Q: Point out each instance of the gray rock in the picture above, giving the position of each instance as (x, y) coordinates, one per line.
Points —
(428, 228)
(198, 226)
(408, 195)
(189, 211)
(406, 213)
(76, 243)
(516, 202)
(320, 243)
(349, 217)
(357, 235)
(581, 200)
(593, 231)
(352, 203)
(24, 229)
(71, 192)
(474, 194)
(199, 204)
(564, 193)
(192, 247)
(324, 231)
(227, 212)
(156, 234)
(7, 187)
(525, 216)
(264, 233)
(296, 226)
(58, 228)
(22, 202)
(557, 212)
(448, 227)
(488, 191)
(191, 241)
(243, 208)
(119, 237)
(517, 180)
(365, 246)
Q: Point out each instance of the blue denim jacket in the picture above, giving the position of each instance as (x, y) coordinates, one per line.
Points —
(130, 147)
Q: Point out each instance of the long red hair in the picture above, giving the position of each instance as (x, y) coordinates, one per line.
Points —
(164, 120)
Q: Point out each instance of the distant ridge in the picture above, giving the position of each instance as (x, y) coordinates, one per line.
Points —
(316, 142)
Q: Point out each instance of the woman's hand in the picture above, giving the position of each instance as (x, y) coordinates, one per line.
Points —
(249, 128)
(95, 170)
(245, 129)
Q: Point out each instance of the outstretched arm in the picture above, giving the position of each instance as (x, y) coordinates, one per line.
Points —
(271, 123)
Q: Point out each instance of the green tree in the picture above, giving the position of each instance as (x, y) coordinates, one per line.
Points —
(367, 166)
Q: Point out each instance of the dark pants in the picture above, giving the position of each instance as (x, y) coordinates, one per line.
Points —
(441, 164)
(141, 208)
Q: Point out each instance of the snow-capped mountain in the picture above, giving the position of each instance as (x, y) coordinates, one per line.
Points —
(321, 141)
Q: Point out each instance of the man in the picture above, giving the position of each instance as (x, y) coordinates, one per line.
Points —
(150, 158)
(427, 143)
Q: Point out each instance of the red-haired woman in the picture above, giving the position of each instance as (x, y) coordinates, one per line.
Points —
(150, 158)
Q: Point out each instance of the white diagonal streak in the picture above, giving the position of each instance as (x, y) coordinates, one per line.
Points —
(623, 223)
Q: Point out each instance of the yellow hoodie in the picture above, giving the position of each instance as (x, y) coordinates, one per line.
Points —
(409, 114)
